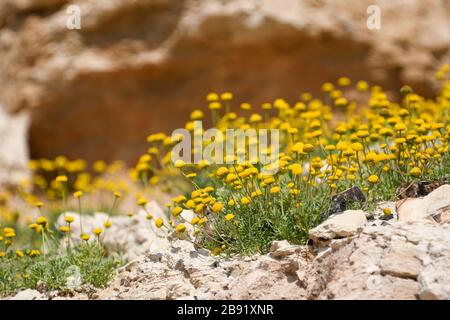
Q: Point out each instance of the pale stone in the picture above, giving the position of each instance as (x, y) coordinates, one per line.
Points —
(435, 281)
(401, 261)
(342, 225)
(394, 260)
(29, 294)
(435, 207)
(13, 147)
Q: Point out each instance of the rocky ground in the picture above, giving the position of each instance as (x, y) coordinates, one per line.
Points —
(354, 255)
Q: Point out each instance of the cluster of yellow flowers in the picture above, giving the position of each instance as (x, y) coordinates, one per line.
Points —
(44, 231)
(52, 180)
(96, 178)
(7, 236)
(327, 146)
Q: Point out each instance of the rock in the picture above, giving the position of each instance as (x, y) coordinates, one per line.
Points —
(434, 208)
(434, 281)
(150, 55)
(386, 261)
(281, 249)
(381, 215)
(182, 273)
(401, 262)
(343, 225)
(13, 147)
(29, 294)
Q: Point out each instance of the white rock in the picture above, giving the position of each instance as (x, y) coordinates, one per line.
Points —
(420, 209)
(29, 294)
(280, 249)
(435, 281)
(13, 147)
(341, 225)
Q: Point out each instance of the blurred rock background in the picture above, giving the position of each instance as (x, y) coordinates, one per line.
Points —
(141, 66)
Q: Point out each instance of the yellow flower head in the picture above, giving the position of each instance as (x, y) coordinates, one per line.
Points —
(159, 222)
(217, 207)
(296, 169)
(197, 115)
(308, 148)
(373, 179)
(226, 96)
(78, 194)
(61, 179)
(42, 221)
(33, 226)
(274, 190)
(221, 171)
(246, 106)
(180, 228)
(245, 200)
(269, 180)
(34, 253)
(141, 202)
(416, 172)
(254, 118)
(212, 97)
(195, 220)
(229, 217)
(176, 211)
(214, 105)
(39, 204)
(64, 229)
(179, 163)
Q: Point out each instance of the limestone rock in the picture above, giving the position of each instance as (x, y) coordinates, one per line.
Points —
(13, 147)
(391, 260)
(341, 225)
(281, 249)
(401, 262)
(434, 281)
(29, 294)
(387, 261)
(435, 207)
(182, 272)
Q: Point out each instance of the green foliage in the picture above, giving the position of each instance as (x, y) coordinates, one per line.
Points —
(52, 271)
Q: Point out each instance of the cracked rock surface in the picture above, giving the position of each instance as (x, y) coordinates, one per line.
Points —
(387, 260)
(377, 260)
